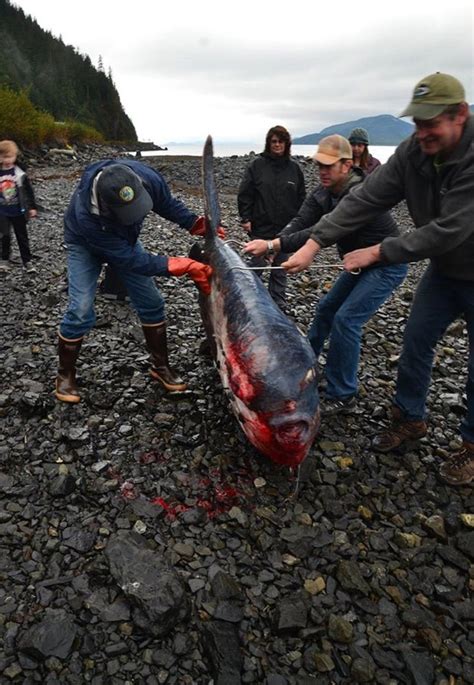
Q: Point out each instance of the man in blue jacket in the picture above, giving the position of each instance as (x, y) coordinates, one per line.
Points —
(102, 225)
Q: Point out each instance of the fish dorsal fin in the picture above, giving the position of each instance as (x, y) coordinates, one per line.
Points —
(211, 200)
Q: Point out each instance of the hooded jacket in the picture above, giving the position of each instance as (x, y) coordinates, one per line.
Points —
(372, 163)
(321, 202)
(270, 194)
(441, 204)
(112, 242)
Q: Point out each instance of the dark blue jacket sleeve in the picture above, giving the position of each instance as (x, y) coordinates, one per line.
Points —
(113, 249)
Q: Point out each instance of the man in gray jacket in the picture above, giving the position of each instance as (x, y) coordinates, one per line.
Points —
(434, 172)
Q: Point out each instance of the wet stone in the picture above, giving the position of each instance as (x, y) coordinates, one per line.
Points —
(62, 485)
(420, 666)
(350, 577)
(152, 586)
(291, 615)
(53, 636)
(220, 642)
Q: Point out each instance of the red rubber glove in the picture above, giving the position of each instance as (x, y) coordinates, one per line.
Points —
(199, 228)
(198, 272)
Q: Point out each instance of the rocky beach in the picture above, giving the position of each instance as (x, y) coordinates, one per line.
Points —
(144, 541)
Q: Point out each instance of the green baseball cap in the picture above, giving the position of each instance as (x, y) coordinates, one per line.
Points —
(433, 94)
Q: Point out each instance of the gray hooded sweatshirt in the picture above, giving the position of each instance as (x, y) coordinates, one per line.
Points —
(440, 202)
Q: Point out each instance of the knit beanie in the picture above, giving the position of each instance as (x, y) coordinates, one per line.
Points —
(359, 135)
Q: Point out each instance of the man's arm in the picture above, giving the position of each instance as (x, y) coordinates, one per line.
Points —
(361, 259)
(378, 193)
(451, 228)
(294, 235)
(302, 258)
(297, 232)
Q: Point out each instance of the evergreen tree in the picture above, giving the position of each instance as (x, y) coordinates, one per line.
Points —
(57, 78)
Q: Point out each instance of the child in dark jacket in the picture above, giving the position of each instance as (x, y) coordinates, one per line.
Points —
(17, 204)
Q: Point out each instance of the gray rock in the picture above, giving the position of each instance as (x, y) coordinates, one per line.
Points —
(53, 636)
(151, 585)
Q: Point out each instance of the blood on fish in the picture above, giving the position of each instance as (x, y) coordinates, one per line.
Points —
(240, 382)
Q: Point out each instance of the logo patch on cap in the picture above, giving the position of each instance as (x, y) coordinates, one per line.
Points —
(126, 194)
(421, 91)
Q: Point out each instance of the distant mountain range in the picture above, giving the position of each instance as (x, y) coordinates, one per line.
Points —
(383, 129)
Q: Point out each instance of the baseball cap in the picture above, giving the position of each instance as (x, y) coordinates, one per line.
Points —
(433, 94)
(121, 190)
(333, 148)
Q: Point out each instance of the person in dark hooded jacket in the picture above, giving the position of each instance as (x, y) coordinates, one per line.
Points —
(102, 225)
(354, 297)
(270, 194)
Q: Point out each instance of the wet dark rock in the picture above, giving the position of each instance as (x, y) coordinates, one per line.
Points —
(420, 666)
(291, 615)
(79, 539)
(148, 582)
(363, 670)
(465, 543)
(62, 486)
(453, 556)
(221, 645)
(275, 679)
(53, 636)
(350, 577)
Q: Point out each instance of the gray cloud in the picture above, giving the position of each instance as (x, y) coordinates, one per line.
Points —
(304, 65)
(313, 84)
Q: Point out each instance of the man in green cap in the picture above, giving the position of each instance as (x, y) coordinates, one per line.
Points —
(433, 171)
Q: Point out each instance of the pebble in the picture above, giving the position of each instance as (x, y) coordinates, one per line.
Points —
(166, 548)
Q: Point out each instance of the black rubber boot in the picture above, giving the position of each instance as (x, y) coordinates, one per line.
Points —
(156, 341)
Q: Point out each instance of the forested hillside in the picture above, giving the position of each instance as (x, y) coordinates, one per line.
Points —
(57, 78)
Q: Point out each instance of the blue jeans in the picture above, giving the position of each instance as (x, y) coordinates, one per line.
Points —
(438, 301)
(341, 314)
(83, 272)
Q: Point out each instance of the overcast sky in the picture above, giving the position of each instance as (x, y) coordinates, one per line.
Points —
(184, 68)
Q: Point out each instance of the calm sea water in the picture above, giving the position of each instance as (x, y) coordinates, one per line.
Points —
(381, 152)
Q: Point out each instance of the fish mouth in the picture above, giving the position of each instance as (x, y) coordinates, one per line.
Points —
(293, 433)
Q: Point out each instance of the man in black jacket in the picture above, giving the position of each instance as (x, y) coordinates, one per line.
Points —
(354, 298)
(270, 194)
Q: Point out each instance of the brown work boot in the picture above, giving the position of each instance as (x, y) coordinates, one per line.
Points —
(156, 341)
(400, 431)
(66, 388)
(459, 468)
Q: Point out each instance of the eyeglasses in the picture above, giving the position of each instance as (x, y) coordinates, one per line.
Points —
(276, 141)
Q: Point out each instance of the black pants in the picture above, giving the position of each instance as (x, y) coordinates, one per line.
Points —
(19, 226)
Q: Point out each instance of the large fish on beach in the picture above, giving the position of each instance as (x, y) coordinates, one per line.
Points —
(267, 367)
